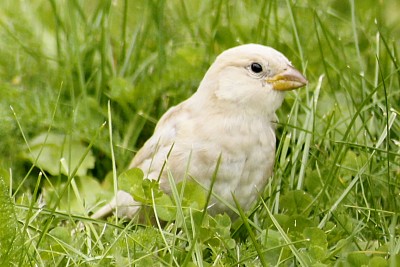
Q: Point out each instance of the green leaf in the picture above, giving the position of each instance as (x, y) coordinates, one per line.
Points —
(377, 261)
(54, 245)
(296, 202)
(11, 246)
(194, 195)
(144, 190)
(151, 188)
(352, 162)
(165, 208)
(297, 223)
(357, 259)
(273, 240)
(313, 183)
(59, 154)
(89, 191)
(223, 229)
(215, 231)
(318, 244)
(130, 179)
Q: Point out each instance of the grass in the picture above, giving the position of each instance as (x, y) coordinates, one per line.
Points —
(86, 82)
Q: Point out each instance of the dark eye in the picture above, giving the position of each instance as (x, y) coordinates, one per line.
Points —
(256, 67)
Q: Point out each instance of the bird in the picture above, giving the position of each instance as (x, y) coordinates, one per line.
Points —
(231, 119)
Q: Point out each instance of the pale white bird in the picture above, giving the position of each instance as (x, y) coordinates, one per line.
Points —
(232, 114)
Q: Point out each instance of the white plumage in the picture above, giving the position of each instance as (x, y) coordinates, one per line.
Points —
(232, 114)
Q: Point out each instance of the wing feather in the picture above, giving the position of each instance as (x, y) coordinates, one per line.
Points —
(153, 154)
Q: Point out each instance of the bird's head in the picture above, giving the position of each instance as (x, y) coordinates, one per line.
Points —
(252, 77)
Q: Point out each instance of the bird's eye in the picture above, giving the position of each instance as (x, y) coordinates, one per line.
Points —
(256, 67)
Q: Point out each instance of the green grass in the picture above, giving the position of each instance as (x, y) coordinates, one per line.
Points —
(90, 80)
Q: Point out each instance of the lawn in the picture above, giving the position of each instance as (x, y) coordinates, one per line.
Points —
(83, 83)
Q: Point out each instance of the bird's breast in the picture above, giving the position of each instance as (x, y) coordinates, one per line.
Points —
(247, 149)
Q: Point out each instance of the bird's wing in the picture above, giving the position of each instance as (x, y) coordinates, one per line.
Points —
(149, 158)
(154, 152)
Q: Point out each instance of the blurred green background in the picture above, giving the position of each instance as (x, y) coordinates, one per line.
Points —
(61, 61)
(69, 66)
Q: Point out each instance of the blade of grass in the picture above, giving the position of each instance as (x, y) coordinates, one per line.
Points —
(47, 225)
(204, 213)
(309, 126)
(295, 32)
(113, 163)
(250, 231)
(354, 181)
(387, 132)
(300, 258)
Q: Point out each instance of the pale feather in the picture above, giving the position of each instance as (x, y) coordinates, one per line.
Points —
(232, 114)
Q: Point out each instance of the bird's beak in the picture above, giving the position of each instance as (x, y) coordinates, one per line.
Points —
(288, 79)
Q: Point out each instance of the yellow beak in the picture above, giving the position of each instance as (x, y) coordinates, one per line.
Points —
(288, 79)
